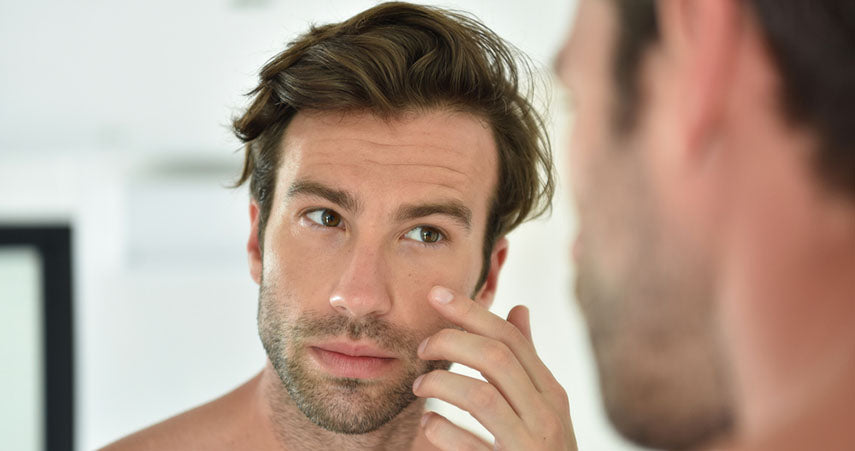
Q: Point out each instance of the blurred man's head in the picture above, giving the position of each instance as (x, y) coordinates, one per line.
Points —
(385, 154)
(697, 124)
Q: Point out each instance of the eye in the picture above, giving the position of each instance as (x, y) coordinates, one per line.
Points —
(324, 217)
(425, 234)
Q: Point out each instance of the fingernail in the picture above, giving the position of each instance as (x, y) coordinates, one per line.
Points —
(424, 419)
(417, 382)
(441, 295)
(423, 345)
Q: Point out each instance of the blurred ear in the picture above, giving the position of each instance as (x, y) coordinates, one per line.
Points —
(497, 259)
(253, 250)
(699, 42)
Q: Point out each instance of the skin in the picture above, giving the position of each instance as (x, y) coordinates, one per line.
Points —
(520, 403)
(715, 268)
(372, 264)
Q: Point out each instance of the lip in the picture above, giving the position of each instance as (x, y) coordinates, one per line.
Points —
(355, 349)
(352, 360)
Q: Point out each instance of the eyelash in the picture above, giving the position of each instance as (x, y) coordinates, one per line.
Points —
(443, 236)
(305, 214)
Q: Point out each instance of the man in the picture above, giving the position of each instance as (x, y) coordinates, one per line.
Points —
(713, 164)
(387, 157)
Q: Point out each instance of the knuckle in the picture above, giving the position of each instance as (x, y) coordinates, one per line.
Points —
(512, 333)
(546, 422)
(483, 396)
(565, 401)
(561, 397)
(497, 354)
(514, 338)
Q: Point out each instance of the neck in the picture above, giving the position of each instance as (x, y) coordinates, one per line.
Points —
(789, 310)
(825, 422)
(295, 431)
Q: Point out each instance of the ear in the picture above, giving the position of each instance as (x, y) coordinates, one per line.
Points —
(699, 40)
(253, 250)
(497, 259)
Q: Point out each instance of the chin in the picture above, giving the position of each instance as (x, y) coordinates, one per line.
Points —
(663, 410)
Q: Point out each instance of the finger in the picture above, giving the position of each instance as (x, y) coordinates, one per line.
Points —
(482, 400)
(446, 435)
(519, 317)
(474, 318)
(493, 359)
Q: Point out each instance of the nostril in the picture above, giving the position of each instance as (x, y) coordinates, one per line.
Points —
(338, 302)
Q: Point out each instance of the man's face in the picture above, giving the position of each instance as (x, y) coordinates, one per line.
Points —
(368, 215)
(645, 291)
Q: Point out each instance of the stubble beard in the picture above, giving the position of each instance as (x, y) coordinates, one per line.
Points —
(340, 405)
(649, 309)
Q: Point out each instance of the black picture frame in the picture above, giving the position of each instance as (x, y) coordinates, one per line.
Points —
(53, 244)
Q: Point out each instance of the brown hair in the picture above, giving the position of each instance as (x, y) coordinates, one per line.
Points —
(391, 59)
(812, 44)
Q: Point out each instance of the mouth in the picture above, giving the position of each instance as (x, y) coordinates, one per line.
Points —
(353, 360)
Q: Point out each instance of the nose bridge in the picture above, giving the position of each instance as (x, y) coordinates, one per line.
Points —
(362, 288)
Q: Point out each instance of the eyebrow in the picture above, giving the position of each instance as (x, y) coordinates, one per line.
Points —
(309, 188)
(453, 209)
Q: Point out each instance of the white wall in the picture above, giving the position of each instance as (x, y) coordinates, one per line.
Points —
(113, 117)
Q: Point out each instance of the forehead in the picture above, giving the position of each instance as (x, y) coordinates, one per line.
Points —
(423, 153)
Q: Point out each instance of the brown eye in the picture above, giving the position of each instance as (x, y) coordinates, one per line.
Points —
(324, 217)
(430, 235)
(425, 234)
(330, 218)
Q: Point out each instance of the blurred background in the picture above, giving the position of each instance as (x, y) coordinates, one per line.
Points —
(114, 131)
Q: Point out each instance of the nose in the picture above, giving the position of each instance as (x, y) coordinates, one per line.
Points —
(363, 288)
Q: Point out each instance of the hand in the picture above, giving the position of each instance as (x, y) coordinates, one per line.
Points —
(521, 403)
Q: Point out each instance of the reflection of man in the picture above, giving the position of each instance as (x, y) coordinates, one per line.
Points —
(387, 157)
(713, 163)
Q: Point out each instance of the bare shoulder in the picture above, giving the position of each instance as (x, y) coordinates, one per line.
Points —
(224, 423)
(189, 430)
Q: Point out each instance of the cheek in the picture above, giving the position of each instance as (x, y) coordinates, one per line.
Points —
(413, 277)
(303, 268)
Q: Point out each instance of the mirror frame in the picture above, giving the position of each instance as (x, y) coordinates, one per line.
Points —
(53, 243)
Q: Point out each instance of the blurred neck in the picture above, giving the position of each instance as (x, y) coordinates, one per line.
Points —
(788, 308)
